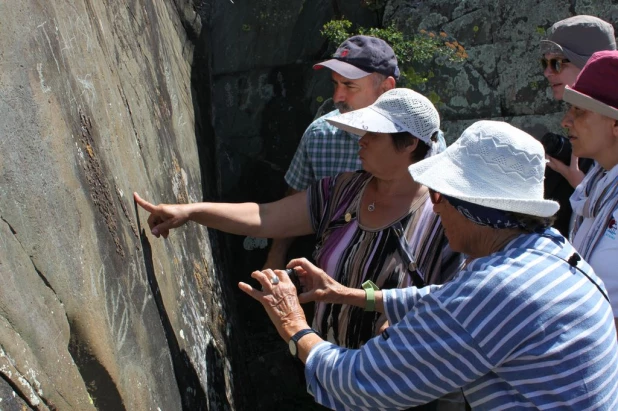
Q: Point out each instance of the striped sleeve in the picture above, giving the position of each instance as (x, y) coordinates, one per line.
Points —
(329, 197)
(423, 357)
(398, 302)
(318, 196)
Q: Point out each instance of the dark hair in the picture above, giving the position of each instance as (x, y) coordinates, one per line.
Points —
(404, 139)
(532, 223)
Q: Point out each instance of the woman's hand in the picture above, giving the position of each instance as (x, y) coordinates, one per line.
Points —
(278, 296)
(316, 284)
(163, 217)
(572, 173)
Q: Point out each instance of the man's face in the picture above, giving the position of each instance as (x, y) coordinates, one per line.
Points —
(349, 95)
(558, 80)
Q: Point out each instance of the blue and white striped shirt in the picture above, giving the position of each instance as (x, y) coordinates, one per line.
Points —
(518, 329)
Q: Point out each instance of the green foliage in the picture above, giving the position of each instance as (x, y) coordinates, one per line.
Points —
(434, 98)
(412, 77)
(336, 31)
(422, 48)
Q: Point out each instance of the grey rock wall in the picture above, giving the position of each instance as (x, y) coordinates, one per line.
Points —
(97, 102)
(502, 78)
(265, 92)
(264, 89)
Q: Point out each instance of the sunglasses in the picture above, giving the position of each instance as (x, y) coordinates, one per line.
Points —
(556, 65)
(435, 197)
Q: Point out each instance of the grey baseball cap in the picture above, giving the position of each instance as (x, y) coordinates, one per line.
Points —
(579, 37)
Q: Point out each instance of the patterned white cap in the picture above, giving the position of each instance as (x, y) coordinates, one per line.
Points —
(397, 110)
(492, 164)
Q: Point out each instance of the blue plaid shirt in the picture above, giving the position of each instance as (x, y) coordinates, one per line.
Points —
(323, 151)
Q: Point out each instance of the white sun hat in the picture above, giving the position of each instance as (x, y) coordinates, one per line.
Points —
(397, 110)
(492, 164)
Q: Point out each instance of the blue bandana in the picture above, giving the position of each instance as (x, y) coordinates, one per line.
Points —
(486, 216)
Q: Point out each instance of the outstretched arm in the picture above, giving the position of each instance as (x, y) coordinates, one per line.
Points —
(288, 216)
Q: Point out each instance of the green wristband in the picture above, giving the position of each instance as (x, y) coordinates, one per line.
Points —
(370, 296)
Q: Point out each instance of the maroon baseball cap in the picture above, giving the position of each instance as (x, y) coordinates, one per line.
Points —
(596, 88)
(359, 56)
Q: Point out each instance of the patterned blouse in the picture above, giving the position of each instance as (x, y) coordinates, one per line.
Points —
(411, 251)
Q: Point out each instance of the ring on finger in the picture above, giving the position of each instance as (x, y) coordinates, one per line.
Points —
(274, 280)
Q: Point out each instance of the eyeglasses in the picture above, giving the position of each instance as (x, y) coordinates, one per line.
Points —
(435, 197)
(556, 65)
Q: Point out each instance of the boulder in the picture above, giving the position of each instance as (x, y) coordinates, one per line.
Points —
(97, 102)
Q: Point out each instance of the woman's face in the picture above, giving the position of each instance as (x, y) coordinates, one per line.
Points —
(592, 135)
(379, 156)
(460, 232)
(558, 80)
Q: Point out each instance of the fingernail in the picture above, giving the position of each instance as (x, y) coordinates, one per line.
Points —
(155, 232)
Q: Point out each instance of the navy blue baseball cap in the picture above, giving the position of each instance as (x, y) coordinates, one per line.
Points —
(359, 56)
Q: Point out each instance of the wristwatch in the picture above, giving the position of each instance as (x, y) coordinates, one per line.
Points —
(293, 343)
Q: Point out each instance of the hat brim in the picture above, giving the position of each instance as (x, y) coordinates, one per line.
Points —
(550, 47)
(365, 120)
(347, 70)
(581, 100)
(441, 174)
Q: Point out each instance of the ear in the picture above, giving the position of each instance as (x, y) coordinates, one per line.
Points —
(615, 128)
(412, 147)
(388, 84)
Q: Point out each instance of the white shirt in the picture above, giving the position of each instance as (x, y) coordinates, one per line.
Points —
(604, 258)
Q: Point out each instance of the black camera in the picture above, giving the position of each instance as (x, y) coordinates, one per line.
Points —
(557, 146)
(294, 277)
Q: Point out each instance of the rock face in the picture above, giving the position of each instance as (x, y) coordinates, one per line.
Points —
(97, 102)
(182, 100)
(502, 78)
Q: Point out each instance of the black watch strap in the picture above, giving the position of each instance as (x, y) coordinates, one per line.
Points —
(293, 343)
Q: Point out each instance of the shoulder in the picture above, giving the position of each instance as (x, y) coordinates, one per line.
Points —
(533, 249)
(346, 178)
(503, 272)
(358, 177)
(320, 125)
(342, 186)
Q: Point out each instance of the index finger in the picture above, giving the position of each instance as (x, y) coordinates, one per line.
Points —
(256, 294)
(143, 203)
